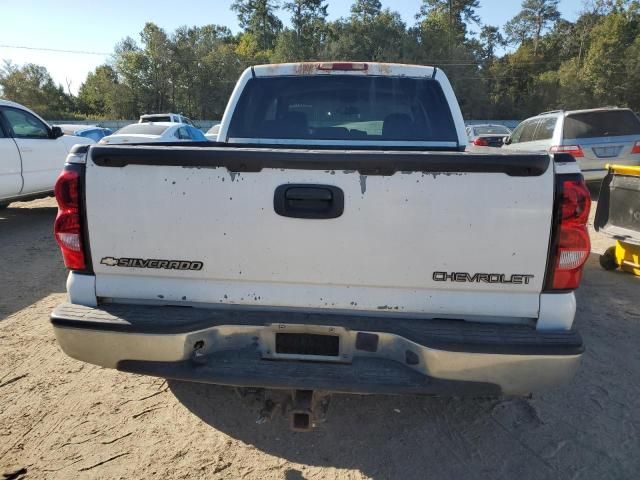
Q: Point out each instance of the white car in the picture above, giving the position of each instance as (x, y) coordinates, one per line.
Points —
(155, 132)
(164, 117)
(212, 133)
(31, 153)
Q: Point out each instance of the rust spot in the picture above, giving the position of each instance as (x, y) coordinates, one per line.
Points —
(305, 68)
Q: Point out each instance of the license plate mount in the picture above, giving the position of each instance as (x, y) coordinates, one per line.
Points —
(307, 343)
(607, 152)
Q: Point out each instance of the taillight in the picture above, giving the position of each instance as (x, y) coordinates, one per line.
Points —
(575, 203)
(570, 246)
(343, 66)
(481, 142)
(67, 190)
(68, 225)
(574, 150)
(636, 147)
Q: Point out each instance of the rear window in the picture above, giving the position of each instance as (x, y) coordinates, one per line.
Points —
(143, 128)
(525, 131)
(491, 130)
(156, 118)
(545, 129)
(611, 123)
(343, 107)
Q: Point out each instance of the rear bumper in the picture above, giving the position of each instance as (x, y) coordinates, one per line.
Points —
(376, 354)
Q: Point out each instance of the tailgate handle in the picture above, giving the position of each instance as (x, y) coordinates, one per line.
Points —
(308, 193)
(308, 201)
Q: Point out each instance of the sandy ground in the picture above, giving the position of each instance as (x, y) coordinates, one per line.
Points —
(60, 418)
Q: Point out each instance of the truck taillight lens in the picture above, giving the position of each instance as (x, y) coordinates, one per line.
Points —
(574, 150)
(636, 147)
(571, 245)
(68, 225)
(481, 142)
(572, 253)
(575, 203)
(67, 190)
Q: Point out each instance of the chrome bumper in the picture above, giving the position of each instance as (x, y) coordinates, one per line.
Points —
(375, 354)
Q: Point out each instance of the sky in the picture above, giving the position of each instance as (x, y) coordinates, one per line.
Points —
(97, 27)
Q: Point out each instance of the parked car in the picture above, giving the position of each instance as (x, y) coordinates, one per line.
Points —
(593, 137)
(487, 135)
(31, 153)
(93, 132)
(155, 132)
(164, 117)
(326, 246)
(212, 134)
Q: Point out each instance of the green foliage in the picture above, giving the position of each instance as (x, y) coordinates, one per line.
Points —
(552, 63)
(491, 39)
(367, 36)
(258, 17)
(365, 10)
(103, 95)
(305, 40)
(32, 86)
(590, 63)
(532, 20)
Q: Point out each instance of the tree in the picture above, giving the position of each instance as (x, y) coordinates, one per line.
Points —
(365, 11)
(32, 86)
(94, 93)
(491, 39)
(103, 95)
(594, 60)
(306, 15)
(157, 52)
(209, 68)
(632, 95)
(369, 34)
(533, 19)
(607, 65)
(459, 11)
(443, 24)
(306, 39)
(258, 17)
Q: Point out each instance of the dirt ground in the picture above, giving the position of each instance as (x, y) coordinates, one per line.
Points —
(60, 418)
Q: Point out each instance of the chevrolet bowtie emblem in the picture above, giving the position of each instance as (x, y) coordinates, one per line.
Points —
(110, 261)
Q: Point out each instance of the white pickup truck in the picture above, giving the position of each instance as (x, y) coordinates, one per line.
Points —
(336, 238)
(31, 153)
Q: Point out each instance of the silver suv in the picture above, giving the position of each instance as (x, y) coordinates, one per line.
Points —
(593, 137)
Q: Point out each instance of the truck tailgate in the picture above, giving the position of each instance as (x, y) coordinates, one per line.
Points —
(444, 235)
